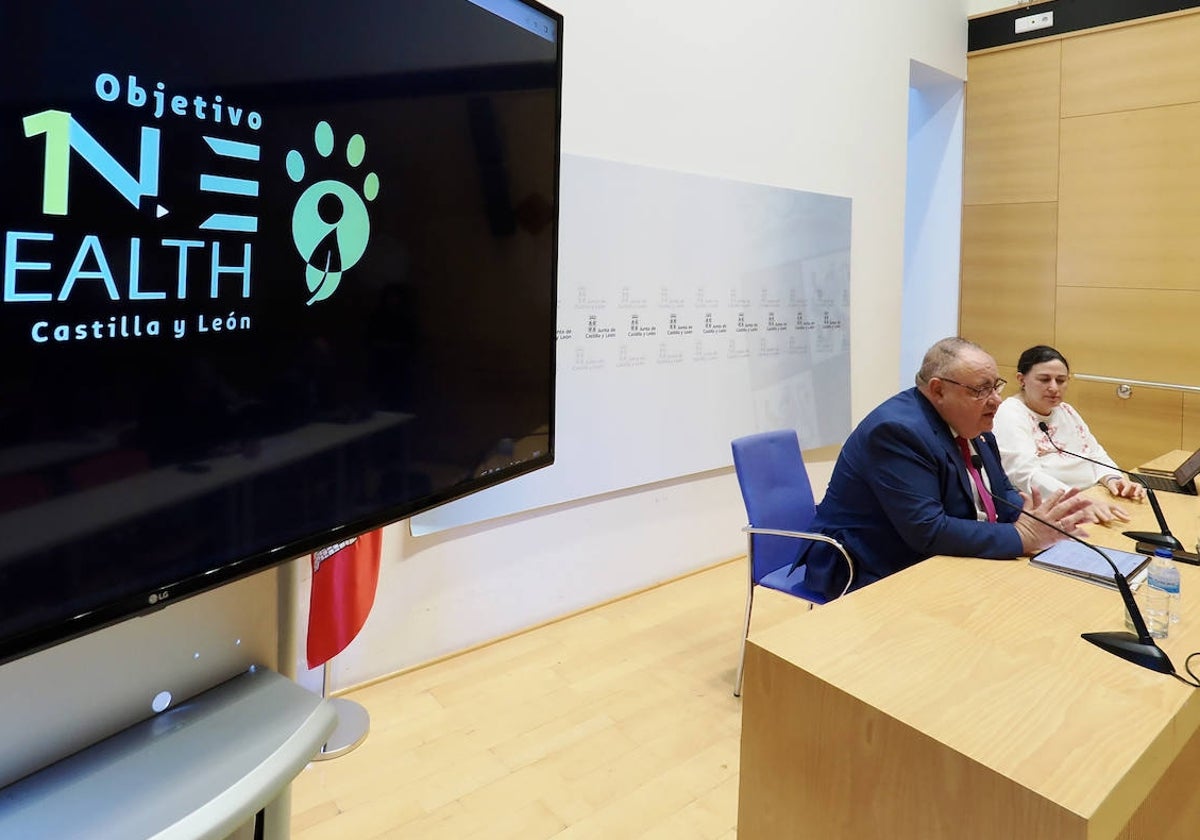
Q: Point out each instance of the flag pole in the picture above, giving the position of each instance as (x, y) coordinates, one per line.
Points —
(344, 577)
(352, 727)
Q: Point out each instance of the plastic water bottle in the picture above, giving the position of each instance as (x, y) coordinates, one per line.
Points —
(1175, 592)
(1162, 584)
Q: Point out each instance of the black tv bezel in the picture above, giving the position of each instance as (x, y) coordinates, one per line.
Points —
(157, 598)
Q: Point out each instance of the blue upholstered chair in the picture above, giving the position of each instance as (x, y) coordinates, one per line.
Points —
(779, 507)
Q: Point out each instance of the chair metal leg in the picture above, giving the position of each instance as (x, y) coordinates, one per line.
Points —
(737, 682)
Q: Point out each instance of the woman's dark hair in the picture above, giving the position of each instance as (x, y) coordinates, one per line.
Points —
(1037, 355)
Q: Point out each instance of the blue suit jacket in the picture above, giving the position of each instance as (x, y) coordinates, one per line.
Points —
(900, 493)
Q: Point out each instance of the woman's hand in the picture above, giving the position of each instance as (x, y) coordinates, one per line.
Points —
(1123, 488)
(1105, 512)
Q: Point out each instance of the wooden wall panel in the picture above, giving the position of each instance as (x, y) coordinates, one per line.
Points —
(1164, 56)
(1008, 293)
(1134, 430)
(1191, 422)
(1008, 372)
(1124, 211)
(1011, 126)
(1129, 199)
(1135, 333)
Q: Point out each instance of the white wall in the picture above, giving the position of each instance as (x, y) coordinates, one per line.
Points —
(980, 7)
(800, 95)
(932, 215)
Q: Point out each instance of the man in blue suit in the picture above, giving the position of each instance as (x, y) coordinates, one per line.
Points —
(903, 489)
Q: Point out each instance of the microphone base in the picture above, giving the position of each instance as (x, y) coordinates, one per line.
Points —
(1130, 648)
(1180, 556)
(1156, 540)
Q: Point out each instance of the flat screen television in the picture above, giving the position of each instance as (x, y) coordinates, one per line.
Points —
(274, 274)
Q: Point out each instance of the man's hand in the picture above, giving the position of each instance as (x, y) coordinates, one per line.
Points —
(1066, 509)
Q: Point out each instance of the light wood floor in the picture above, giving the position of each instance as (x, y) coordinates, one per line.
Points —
(616, 723)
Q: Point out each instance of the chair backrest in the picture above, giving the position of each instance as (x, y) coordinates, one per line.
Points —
(777, 494)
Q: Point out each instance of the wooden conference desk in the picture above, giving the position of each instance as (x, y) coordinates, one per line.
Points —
(957, 700)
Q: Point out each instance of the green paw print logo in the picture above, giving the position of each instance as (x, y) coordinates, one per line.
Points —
(330, 224)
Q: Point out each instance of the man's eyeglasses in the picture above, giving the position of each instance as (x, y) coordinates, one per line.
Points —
(982, 392)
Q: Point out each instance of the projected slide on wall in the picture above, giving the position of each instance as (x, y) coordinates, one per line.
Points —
(691, 310)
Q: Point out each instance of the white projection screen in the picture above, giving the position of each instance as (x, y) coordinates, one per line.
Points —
(691, 310)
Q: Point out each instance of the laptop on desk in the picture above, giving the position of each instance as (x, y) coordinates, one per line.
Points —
(1174, 472)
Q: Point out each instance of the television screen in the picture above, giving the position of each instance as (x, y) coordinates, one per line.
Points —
(274, 273)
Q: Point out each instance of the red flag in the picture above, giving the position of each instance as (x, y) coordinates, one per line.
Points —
(343, 590)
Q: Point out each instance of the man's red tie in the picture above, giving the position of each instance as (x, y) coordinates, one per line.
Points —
(984, 496)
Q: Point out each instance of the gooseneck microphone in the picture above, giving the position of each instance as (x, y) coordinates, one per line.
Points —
(1139, 649)
(1164, 539)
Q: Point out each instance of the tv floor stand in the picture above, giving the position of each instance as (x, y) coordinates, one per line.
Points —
(216, 766)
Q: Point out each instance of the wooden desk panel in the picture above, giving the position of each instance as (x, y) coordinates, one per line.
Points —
(956, 699)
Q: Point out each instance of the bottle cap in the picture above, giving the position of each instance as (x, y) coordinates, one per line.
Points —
(1163, 552)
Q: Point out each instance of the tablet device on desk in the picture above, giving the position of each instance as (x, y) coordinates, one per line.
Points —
(1174, 472)
(1078, 561)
